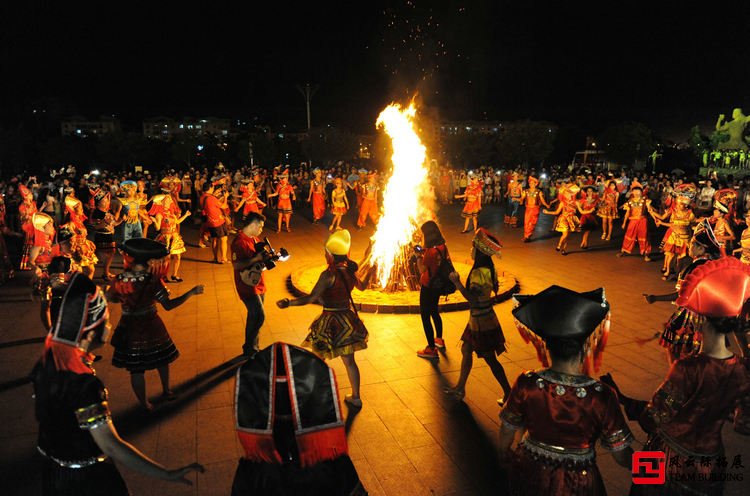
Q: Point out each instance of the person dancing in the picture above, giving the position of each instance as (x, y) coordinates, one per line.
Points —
(483, 334)
(681, 220)
(608, 208)
(587, 207)
(338, 331)
(285, 192)
(472, 202)
(636, 221)
(339, 204)
(514, 192)
(317, 195)
(531, 198)
(167, 221)
(567, 221)
(368, 206)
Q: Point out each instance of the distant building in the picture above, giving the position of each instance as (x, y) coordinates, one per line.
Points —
(470, 127)
(166, 128)
(82, 127)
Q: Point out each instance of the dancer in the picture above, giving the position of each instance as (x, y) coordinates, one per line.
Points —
(428, 263)
(483, 334)
(636, 221)
(291, 428)
(531, 198)
(513, 193)
(103, 220)
(338, 331)
(76, 435)
(567, 221)
(26, 209)
(685, 416)
(369, 201)
(250, 201)
(40, 254)
(472, 202)
(167, 222)
(317, 195)
(83, 251)
(285, 192)
(563, 411)
(723, 217)
(608, 208)
(339, 204)
(131, 211)
(215, 224)
(681, 220)
(587, 207)
(681, 335)
(141, 340)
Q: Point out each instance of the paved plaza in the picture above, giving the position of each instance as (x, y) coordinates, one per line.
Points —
(409, 438)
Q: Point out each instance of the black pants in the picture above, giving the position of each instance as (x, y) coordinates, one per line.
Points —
(428, 309)
(256, 315)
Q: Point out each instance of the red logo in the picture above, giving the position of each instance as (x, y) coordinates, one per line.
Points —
(649, 467)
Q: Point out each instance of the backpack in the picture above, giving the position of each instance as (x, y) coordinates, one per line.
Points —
(440, 281)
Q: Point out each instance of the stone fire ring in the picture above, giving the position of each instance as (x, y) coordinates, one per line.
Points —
(302, 281)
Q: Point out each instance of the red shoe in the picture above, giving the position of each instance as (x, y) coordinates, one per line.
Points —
(439, 343)
(429, 353)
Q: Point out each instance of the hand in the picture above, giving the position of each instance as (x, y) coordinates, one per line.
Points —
(178, 475)
(623, 225)
(188, 213)
(454, 277)
(197, 289)
(283, 303)
(649, 298)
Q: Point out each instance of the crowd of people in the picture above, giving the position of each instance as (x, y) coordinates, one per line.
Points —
(65, 228)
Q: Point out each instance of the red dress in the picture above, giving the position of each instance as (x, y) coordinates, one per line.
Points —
(564, 416)
(141, 340)
(473, 201)
(685, 417)
(285, 192)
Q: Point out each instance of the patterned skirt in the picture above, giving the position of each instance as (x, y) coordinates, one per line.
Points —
(338, 209)
(142, 343)
(471, 209)
(175, 243)
(335, 333)
(606, 211)
(483, 332)
(84, 252)
(567, 223)
(675, 242)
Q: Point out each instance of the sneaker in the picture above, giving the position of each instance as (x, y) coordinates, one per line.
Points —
(439, 343)
(429, 353)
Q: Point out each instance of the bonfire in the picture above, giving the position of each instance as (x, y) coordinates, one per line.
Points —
(407, 203)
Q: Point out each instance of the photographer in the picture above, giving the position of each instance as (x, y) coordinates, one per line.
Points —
(247, 251)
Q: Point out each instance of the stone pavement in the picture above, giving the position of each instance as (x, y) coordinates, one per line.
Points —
(409, 439)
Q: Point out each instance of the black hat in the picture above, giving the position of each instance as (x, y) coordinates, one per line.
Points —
(59, 265)
(704, 235)
(83, 309)
(144, 249)
(559, 312)
(64, 234)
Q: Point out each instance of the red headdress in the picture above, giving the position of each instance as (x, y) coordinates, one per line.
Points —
(533, 181)
(25, 192)
(486, 242)
(718, 288)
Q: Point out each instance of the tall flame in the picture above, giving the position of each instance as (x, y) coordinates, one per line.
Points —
(403, 199)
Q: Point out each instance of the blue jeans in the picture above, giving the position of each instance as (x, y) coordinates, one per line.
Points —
(256, 315)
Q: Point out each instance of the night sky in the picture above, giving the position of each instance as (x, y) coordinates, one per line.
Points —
(573, 62)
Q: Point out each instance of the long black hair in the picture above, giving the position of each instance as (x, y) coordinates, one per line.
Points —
(482, 260)
(431, 234)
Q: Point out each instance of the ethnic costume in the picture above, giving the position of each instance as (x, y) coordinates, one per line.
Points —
(141, 340)
(26, 210)
(483, 332)
(637, 228)
(368, 206)
(338, 203)
(338, 330)
(745, 246)
(83, 250)
(588, 221)
(681, 220)
(724, 202)
(568, 220)
(515, 190)
(285, 192)
(608, 204)
(103, 221)
(290, 426)
(563, 415)
(44, 235)
(71, 401)
(169, 229)
(318, 197)
(250, 199)
(131, 211)
(532, 199)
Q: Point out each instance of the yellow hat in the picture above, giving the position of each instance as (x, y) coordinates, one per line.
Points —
(339, 242)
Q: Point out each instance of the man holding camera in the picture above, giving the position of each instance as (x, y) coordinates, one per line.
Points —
(248, 250)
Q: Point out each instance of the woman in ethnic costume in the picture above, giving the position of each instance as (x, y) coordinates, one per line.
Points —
(167, 222)
(26, 209)
(635, 223)
(562, 411)
(608, 208)
(587, 208)
(103, 220)
(290, 426)
(568, 220)
(141, 340)
(77, 438)
(681, 335)
(483, 334)
(285, 192)
(338, 331)
(472, 202)
(744, 249)
(83, 251)
(685, 416)
(681, 220)
(722, 217)
(40, 254)
(131, 211)
(339, 204)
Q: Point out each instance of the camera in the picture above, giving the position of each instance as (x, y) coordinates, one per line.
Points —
(271, 256)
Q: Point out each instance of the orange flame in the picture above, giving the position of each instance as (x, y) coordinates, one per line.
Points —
(405, 204)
